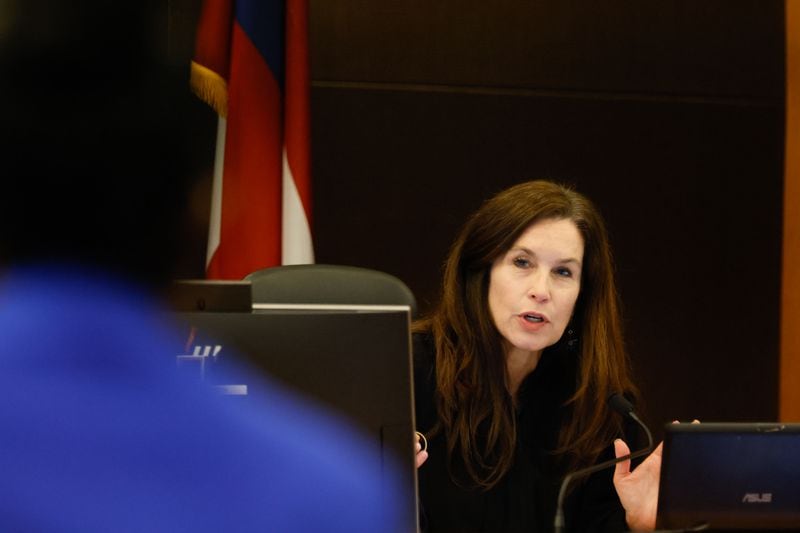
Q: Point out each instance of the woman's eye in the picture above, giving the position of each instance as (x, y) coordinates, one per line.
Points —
(521, 262)
(564, 272)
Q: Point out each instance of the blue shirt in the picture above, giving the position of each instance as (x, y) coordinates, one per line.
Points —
(99, 432)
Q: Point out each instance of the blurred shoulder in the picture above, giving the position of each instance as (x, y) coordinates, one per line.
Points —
(297, 451)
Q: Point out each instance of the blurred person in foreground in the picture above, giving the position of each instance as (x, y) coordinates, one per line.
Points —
(100, 432)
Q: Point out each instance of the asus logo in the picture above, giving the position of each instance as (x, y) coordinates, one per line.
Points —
(755, 497)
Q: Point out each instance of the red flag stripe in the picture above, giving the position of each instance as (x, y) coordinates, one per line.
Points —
(298, 120)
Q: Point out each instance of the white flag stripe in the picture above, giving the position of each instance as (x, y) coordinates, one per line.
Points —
(296, 245)
(215, 219)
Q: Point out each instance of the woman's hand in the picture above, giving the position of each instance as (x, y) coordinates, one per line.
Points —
(420, 447)
(638, 489)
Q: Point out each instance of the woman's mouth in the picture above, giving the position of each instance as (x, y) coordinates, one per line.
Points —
(534, 318)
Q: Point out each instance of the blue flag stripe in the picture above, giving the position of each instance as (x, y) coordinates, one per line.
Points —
(263, 22)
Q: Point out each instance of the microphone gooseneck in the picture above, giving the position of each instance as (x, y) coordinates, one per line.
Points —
(622, 406)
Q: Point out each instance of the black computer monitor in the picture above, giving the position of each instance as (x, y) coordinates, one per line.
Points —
(353, 359)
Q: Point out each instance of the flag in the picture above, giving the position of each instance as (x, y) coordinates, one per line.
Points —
(251, 66)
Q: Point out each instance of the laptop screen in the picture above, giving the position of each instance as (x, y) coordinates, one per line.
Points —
(730, 476)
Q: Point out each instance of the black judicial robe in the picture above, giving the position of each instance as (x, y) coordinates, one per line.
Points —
(525, 499)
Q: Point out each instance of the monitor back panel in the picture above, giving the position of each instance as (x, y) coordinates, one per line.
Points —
(730, 476)
(355, 362)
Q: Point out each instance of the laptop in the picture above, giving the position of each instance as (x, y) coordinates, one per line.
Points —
(732, 476)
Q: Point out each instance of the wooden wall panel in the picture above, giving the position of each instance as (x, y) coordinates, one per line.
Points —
(714, 47)
(668, 114)
(790, 309)
(697, 249)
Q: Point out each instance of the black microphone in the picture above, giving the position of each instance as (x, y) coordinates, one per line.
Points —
(621, 405)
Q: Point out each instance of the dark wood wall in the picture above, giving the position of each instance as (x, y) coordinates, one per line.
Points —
(668, 114)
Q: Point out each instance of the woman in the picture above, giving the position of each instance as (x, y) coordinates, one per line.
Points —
(514, 368)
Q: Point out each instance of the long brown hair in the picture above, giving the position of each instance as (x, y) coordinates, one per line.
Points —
(473, 403)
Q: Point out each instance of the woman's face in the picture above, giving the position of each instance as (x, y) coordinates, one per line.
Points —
(533, 287)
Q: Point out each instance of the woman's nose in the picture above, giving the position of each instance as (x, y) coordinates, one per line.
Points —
(539, 288)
